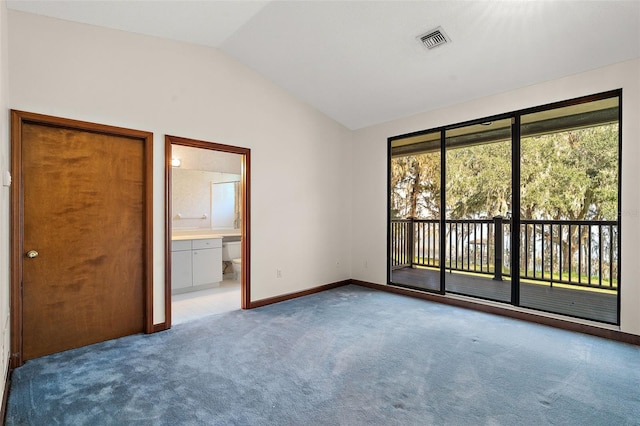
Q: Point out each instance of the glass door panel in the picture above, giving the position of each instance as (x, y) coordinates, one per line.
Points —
(415, 211)
(569, 230)
(478, 207)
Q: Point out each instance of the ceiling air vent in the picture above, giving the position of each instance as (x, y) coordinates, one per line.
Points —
(434, 38)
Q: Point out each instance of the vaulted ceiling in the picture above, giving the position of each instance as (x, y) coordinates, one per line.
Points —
(360, 62)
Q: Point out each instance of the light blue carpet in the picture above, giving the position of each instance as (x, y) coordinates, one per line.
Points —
(349, 356)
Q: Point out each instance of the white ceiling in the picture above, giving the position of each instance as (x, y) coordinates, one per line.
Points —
(360, 63)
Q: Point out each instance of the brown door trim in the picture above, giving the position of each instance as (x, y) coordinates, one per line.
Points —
(245, 286)
(18, 118)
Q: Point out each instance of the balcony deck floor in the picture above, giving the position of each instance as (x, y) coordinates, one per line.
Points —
(579, 302)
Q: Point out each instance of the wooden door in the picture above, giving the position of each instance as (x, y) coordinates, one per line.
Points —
(85, 254)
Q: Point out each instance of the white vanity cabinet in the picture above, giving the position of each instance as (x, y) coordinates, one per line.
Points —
(195, 264)
(207, 261)
(181, 267)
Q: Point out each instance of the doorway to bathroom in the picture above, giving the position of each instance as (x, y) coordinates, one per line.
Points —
(207, 229)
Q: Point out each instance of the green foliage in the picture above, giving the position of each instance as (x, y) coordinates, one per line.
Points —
(415, 183)
(569, 175)
(479, 184)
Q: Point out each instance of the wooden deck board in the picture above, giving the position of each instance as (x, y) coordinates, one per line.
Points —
(579, 303)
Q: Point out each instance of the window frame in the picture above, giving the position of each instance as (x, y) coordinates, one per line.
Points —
(516, 139)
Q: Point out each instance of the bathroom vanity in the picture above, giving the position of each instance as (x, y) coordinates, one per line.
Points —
(196, 262)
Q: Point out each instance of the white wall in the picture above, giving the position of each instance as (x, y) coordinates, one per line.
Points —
(300, 167)
(202, 159)
(370, 169)
(191, 197)
(4, 198)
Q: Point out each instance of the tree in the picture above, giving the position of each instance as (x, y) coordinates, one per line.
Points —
(479, 181)
(415, 186)
(573, 176)
(570, 175)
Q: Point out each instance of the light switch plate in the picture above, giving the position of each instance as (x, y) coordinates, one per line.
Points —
(7, 178)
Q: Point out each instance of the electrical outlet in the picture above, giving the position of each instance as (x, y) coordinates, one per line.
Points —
(337, 264)
(278, 273)
(366, 264)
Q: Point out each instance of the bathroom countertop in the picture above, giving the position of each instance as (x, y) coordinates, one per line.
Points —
(201, 234)
(227, 232)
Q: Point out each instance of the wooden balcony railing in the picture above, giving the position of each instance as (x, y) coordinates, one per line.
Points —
(577, 253)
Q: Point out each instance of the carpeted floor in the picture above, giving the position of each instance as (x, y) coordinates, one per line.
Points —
(349, 356)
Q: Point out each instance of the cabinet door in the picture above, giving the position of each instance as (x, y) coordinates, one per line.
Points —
(207, 266)
(181, 272)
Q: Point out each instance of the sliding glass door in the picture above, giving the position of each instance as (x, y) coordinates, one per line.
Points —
(569, 202)
(415, 204)
(521, 208)
(478, 207)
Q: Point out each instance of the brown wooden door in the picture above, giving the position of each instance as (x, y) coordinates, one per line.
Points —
(84, 215)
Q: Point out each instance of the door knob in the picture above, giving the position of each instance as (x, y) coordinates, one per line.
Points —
(31, 254)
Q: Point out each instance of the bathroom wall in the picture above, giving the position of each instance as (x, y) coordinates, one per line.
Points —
(191, 197)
